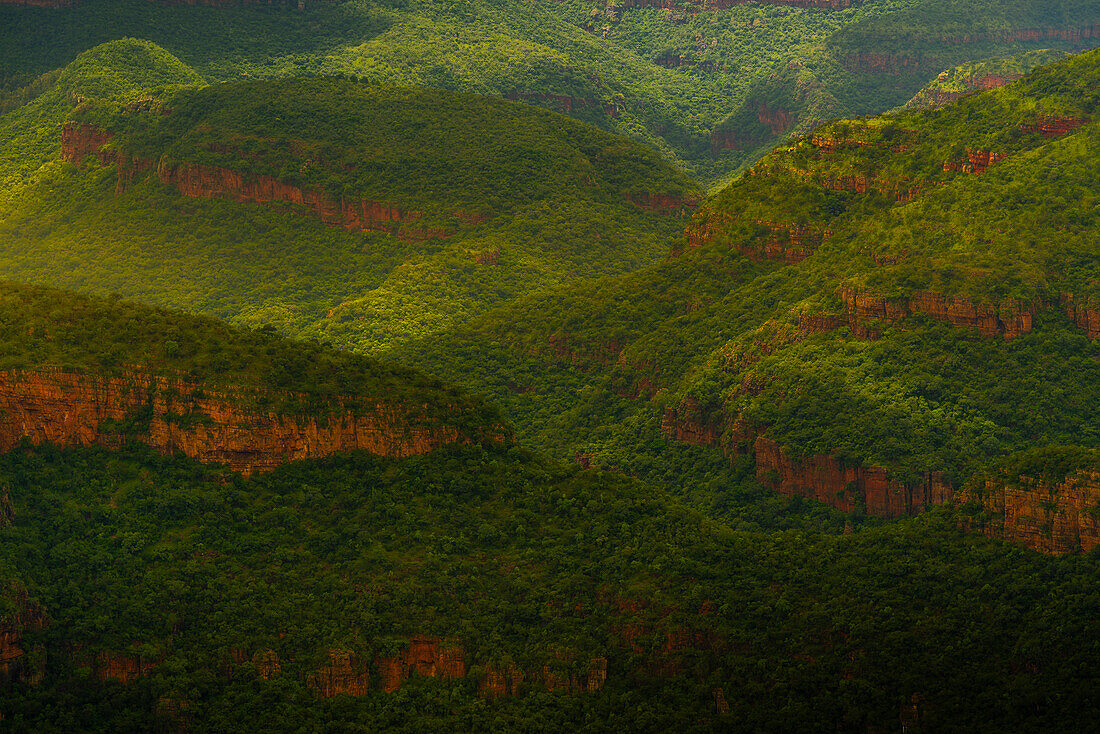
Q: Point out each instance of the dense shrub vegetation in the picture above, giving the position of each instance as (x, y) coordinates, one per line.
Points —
(135, 554)
(673, 76)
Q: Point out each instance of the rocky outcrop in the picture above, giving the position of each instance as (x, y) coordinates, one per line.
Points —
(821, 477)
(1009, 319)
(267, 664)
(900, 189)
(689, 423)
(1084, 313)
(1052, 517)
(897, 63)
(499, 681)
(563, 348)
(663, 203)
(786, 242)
(704, 5)
(80, 140)
(1054, 126)
(360, 215)
(977, 161)
(425, 656)
(225, 425)
(776, 119)
(932, 97)
(41, 3)
(829, 143)
(123, 667)
(16, 662)
(846, 487)
(344, 674)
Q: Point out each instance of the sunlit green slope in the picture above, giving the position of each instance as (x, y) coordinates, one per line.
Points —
(712, 87)
(367, 215)
(916, 291)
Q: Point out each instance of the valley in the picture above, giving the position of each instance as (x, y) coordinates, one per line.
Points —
(549, 366)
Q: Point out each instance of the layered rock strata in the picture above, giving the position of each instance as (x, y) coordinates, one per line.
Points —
(1009, 319)
(224, 425)
(80, 140)
(847, 487)
(820, 477)
(1052, 517)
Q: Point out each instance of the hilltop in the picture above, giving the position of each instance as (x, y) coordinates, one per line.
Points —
(711, 85)
(85, 371)
(367, 215)
(869, 316)
(468, 585)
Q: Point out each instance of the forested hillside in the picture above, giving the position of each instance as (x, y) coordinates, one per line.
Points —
(387, 213)
(871, 314)
(473, 586)
(711, 85)
(487, 417)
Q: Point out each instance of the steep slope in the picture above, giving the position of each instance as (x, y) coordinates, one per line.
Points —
(366, 215)
(707, 84)
(957, 82)
(870, 315)
(477, 589)
(86, 371)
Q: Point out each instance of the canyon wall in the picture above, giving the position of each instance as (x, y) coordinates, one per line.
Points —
(820, 477)
(846, 487)
(1009, 319)
(1085, 313)
(1052, 517)
(80, 140)
(889, 63)
(222, 425)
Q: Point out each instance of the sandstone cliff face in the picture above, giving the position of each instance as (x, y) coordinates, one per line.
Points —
(499, 681)
(1009, 319)
(820, 477)
(724, 4)
(122, 667)
(41, 3)
(78, 141)
(933, 97)
(977, 161)
(1062, 517)
(172, 415)
(826, 479)
(17, 663)
(201, 181)
(425, 656)
(361, 215)
(897, 63)
(1084, 313)
(345, 673)
(663, 203)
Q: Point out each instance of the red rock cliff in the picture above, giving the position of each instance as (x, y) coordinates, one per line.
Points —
(820, 477)
(1084, 312)
(79, 140)
(845, 487)
(1009, 319)
(14, 659)
(74, 408)
(1062, 517)
(362, 215)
